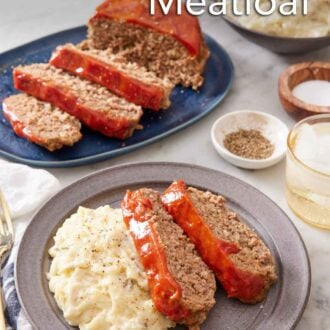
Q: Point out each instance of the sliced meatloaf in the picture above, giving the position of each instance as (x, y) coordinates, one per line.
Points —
(240, 259)
(41, 122)
(182, 286)
(128, 80)
(170, 45)
(94, 105)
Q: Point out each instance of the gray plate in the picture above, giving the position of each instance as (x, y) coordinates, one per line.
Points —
(281, 310)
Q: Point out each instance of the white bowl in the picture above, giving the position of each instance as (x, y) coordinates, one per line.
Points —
(271, 127)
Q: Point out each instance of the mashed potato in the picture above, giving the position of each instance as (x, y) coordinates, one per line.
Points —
(315, 24)
(96, 277)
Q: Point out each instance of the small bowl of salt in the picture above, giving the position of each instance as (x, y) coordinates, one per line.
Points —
(304, 89)
(250, 139)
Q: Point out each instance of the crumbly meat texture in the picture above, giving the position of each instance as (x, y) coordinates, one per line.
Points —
(158, 52)
(254, 256)
(196, 280)
(93, 95)
(132, 74)
(51, 127)
(94, 98)
(120, 62)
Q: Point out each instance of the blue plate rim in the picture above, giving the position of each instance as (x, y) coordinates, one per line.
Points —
(114, 153)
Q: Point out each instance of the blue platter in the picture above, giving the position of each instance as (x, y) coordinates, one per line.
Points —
(187, 107)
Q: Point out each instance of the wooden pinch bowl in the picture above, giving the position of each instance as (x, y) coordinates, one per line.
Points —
(295, 75)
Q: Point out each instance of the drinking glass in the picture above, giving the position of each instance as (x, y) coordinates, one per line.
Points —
(308, 187)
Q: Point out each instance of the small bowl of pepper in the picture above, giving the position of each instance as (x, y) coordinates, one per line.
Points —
(250, 139)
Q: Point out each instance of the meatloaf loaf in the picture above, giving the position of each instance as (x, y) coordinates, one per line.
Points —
(123, 78)
(241, 261)
(182, 286)
(170, 45)
(94, 105)
(41, 122)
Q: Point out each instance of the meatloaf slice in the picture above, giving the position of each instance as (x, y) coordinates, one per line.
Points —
(41, 122)
(123, 78)
(182, 286)
(240, 259)
(170, 45)
(94, 105)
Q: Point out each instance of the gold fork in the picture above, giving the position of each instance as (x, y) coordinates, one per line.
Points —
(6, 244)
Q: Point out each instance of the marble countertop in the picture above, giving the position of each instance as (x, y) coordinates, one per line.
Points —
(255, 87)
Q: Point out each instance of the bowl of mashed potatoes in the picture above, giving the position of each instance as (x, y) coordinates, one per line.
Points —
(306, 30)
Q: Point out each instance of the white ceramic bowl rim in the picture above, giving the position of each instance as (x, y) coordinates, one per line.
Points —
(274, 156)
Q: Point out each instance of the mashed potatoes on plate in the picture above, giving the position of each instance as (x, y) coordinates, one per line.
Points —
(96, 276)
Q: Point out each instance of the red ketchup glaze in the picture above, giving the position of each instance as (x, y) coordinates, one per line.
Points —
(215, 252)
(20, 128)
(165, 291)
(185, 27)
(87, 67)
(63, 99)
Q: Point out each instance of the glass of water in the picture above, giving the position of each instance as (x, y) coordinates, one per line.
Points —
(308, 170)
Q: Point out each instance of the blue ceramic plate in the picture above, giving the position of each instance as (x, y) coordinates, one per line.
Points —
(187, 107)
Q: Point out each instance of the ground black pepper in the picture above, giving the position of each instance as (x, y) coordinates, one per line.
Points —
(249, 144)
